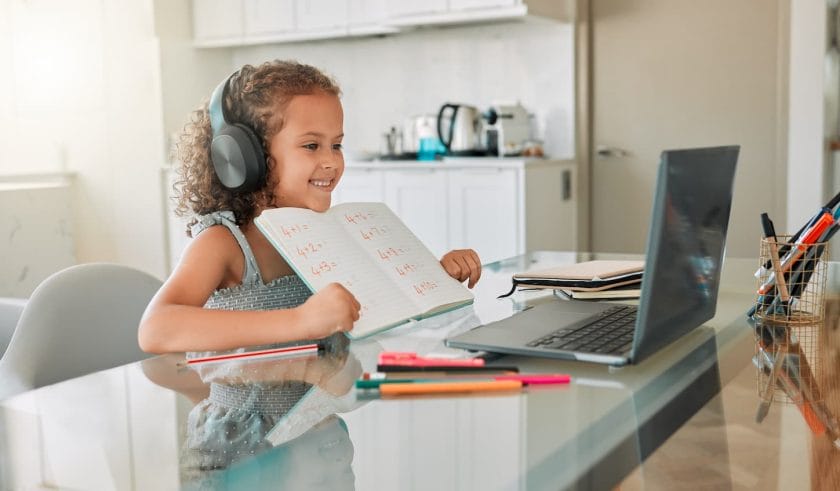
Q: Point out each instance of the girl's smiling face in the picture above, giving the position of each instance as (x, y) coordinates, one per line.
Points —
(306, 154)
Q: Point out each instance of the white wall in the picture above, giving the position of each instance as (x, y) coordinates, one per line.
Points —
(806, 152)
(81, 93)
(385, 80)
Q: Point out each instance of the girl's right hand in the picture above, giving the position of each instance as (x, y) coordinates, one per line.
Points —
(331, 310)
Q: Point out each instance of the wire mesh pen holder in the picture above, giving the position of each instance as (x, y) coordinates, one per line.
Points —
(789, 316)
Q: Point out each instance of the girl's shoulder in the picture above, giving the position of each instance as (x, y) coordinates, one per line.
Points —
(215, 243)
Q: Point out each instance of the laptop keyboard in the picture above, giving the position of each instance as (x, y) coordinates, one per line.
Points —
(610, 332)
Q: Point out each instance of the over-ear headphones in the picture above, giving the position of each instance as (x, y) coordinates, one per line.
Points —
(236, 151)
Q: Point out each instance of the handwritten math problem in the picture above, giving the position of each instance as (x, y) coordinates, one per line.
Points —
(293, 230)
(424, 287)
(359, 216)
(374, 232)
(405, 269)
(390, 252)
(323, 267)
(309, 248)
(369, 250)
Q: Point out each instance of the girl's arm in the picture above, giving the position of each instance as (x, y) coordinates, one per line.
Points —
(176, 320)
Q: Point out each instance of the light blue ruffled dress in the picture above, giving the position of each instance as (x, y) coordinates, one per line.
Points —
(235, 418)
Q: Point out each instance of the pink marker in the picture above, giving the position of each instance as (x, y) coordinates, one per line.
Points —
(540, 379)
(411, 359)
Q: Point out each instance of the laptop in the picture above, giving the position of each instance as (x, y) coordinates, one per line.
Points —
(679, 286)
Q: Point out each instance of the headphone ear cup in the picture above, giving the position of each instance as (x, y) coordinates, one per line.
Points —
(238, 158)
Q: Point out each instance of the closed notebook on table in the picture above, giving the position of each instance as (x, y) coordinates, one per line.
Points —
(366, 248)
(585, 276)
(632, 290)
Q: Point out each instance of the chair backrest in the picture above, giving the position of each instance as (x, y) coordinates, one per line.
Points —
(10, 310)
(79, 320)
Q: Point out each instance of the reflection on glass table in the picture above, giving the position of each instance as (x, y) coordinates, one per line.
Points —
(684, 418)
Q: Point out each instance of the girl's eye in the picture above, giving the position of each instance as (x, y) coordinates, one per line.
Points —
(338, 146)
(311, 146)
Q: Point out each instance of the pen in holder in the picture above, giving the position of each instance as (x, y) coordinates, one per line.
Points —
(789, 315)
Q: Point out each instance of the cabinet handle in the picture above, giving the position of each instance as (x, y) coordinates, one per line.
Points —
(566, 187)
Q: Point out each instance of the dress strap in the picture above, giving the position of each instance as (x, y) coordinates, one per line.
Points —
(228, 219)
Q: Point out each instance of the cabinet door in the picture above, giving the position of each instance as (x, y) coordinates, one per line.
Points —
(485, 212)
(403, 8)
(481, 4)
(361, 12)
(418, 197)
(217, 19)
(359, 185)
(265, 17)
(321, 14)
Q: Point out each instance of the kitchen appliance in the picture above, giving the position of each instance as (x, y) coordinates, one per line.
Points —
(417, 128)
(460, 130)
(508, 129)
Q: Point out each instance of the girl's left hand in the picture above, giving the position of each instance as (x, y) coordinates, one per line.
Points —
(462, 264)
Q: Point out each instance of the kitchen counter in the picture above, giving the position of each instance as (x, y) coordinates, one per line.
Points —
(459, 163)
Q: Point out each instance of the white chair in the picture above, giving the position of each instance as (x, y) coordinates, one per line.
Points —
(79, 320)
(10, 310)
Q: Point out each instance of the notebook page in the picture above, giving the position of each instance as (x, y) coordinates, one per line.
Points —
(321, 253)
(399, 254)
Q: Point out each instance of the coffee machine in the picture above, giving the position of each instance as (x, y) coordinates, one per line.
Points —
(507, 129)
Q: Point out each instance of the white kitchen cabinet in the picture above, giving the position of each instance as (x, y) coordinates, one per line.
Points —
(400, 9)
(360, 184)
(225, 23)
(499, 207)
(268, 17)
(484, 211)
(481, 4)
(219, 21)
(315, 15)
(418, 197)
(367, 12)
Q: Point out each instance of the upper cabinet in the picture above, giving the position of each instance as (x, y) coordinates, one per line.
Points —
(224, 23)
(218, 21)
(266, 18)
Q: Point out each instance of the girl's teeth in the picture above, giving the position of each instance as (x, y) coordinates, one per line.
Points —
(321, 183)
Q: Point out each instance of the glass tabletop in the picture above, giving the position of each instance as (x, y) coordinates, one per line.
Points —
(683, 418)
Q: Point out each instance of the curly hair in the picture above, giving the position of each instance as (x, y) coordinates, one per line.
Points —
(257, 97)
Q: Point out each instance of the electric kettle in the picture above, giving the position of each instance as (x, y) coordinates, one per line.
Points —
(460, 131)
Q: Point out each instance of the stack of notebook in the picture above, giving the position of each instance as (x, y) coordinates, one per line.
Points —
(587, 280)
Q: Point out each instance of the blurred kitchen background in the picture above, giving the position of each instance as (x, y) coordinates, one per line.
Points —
(562, 110)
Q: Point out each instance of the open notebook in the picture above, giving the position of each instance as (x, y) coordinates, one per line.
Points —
(366, 248)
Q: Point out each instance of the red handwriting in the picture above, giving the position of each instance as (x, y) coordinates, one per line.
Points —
(309, 248)
(404, 269)
(359, 216)
(424, 287)
(390, 252)
(373, 232)
(293, 230)
(323, 267)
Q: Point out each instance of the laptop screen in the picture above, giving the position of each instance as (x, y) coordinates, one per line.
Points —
(685, 245)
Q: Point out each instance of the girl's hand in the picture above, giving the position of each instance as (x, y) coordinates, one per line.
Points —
(331, 310)
(462, 264)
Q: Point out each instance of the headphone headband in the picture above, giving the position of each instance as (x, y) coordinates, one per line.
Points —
(216, 108)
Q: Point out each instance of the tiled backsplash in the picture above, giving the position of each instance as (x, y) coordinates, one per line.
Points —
(385, 80)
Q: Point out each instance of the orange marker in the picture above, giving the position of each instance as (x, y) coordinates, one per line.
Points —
(449, 387)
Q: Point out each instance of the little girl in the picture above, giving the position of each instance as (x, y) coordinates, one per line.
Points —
(231, 287)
